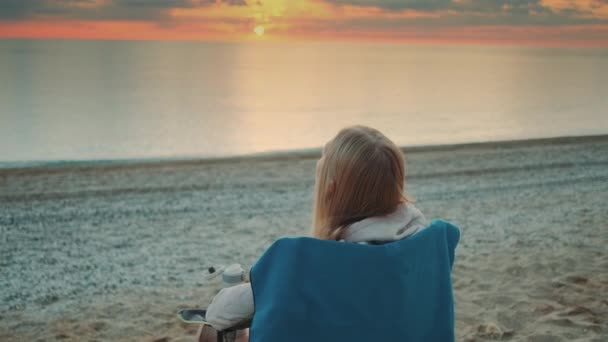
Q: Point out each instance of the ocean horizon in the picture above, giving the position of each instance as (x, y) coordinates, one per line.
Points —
(74, 101)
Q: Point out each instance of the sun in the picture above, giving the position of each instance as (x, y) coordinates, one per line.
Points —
(259, 30)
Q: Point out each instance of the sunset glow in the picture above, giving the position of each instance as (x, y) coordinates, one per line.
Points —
(259, 30)
(532, 22)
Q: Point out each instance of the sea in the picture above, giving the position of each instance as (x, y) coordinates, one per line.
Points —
(70, 100)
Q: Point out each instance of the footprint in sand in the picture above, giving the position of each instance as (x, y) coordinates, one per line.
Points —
(544, 338)
(493, 331)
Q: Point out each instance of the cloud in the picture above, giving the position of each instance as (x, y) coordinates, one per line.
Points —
(432, 5)
(449, 12)
(488, 12)
(396, 5)
(386, 19)
(152, 10)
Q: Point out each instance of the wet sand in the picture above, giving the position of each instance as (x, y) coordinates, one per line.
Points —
(112, 251)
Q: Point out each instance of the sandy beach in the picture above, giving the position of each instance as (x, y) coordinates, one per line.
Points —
(110, 252)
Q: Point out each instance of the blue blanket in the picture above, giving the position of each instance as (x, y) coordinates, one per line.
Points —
(308, 289)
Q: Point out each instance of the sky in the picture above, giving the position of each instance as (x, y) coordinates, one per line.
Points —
(519, 22)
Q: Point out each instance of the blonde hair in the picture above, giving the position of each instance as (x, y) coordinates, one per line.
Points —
(361, 174)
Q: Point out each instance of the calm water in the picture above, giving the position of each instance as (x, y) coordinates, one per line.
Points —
(66, 100)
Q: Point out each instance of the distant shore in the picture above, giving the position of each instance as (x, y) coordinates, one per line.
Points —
(111, 250)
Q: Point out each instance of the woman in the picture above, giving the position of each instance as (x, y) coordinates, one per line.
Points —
(359, 197)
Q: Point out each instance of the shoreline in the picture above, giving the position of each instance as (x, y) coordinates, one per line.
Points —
(42, 166)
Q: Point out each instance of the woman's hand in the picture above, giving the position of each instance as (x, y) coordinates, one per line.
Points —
(206, 333)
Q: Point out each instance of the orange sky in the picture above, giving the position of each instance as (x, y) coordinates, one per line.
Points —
(536, 22)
